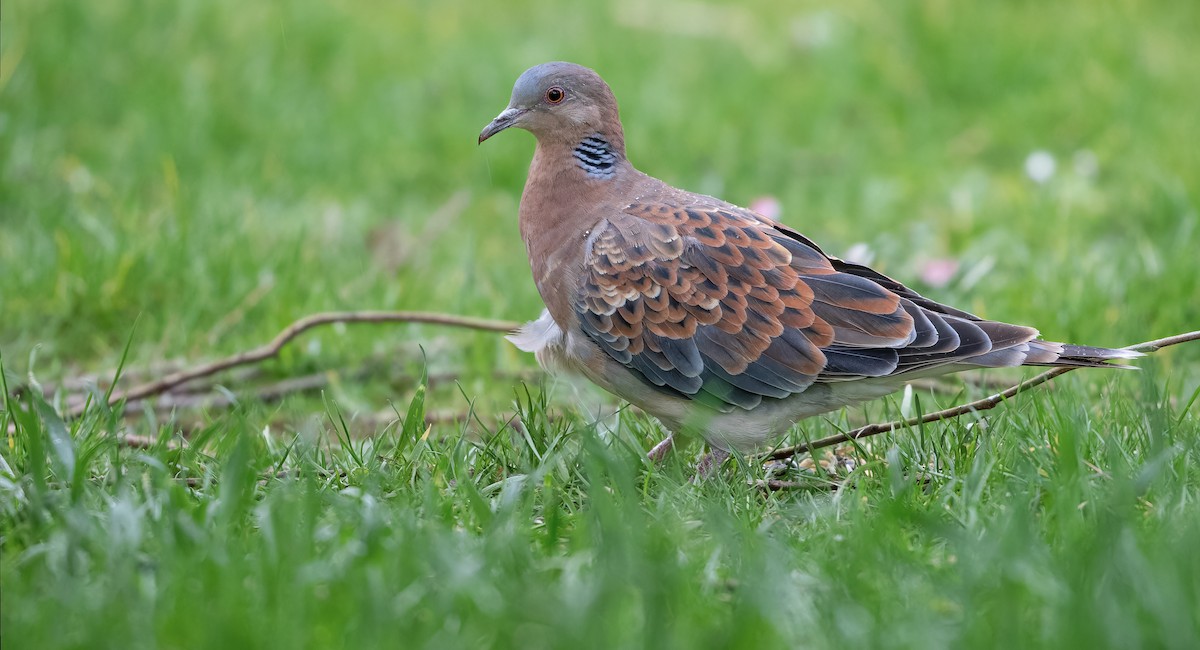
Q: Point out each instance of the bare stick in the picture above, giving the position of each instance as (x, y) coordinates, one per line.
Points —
(143, 442)
(980, 405)
(265, 477)
(776, 485)
(290, 332)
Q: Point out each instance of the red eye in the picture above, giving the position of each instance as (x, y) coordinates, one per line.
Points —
(555, 94)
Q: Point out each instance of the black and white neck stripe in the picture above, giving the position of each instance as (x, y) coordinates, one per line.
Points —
(596, 157)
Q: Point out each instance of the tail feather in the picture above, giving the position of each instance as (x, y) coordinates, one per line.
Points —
(1049, 353)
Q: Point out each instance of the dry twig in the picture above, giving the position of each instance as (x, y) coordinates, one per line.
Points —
(984, 404)
(776, 485)
(271, 349)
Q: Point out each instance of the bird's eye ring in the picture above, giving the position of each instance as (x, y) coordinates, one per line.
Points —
(555, 94)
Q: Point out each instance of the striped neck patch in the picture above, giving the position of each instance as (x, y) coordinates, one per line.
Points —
(595, 156)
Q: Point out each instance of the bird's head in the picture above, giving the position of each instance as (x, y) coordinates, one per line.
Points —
(560, 101)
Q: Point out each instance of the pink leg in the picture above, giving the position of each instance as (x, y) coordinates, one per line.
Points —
(710, 463)
(660, 451)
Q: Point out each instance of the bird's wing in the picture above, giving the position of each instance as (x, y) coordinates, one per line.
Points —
(721, 305)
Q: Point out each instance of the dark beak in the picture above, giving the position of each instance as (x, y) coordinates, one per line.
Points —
(504, 120)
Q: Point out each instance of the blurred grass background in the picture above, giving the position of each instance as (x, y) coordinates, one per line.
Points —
(213, 170)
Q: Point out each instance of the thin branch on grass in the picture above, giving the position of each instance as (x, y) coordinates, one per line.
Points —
(85, 383)
(171, 401)
(135, 441)
(776, 485)
(196, 482)
(360, 425)
(980, 405)
(298, 327)
(197, 394)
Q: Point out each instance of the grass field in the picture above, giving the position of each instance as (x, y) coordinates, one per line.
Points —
(183, 179)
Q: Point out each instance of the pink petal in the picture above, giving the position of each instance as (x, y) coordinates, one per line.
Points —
(768, 206)
(938, 273)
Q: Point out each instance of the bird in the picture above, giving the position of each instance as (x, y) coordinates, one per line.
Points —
(714, 319)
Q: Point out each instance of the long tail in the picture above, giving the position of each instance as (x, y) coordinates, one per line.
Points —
(1010, 350)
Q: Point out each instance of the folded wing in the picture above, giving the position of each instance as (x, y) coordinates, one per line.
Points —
(723, 306)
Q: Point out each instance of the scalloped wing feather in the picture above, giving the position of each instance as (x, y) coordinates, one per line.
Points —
(720, 305)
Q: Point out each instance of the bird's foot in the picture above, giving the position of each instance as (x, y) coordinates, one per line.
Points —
(660, 451)
(710, 463)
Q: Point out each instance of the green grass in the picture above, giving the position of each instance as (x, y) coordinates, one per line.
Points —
(190, 177)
